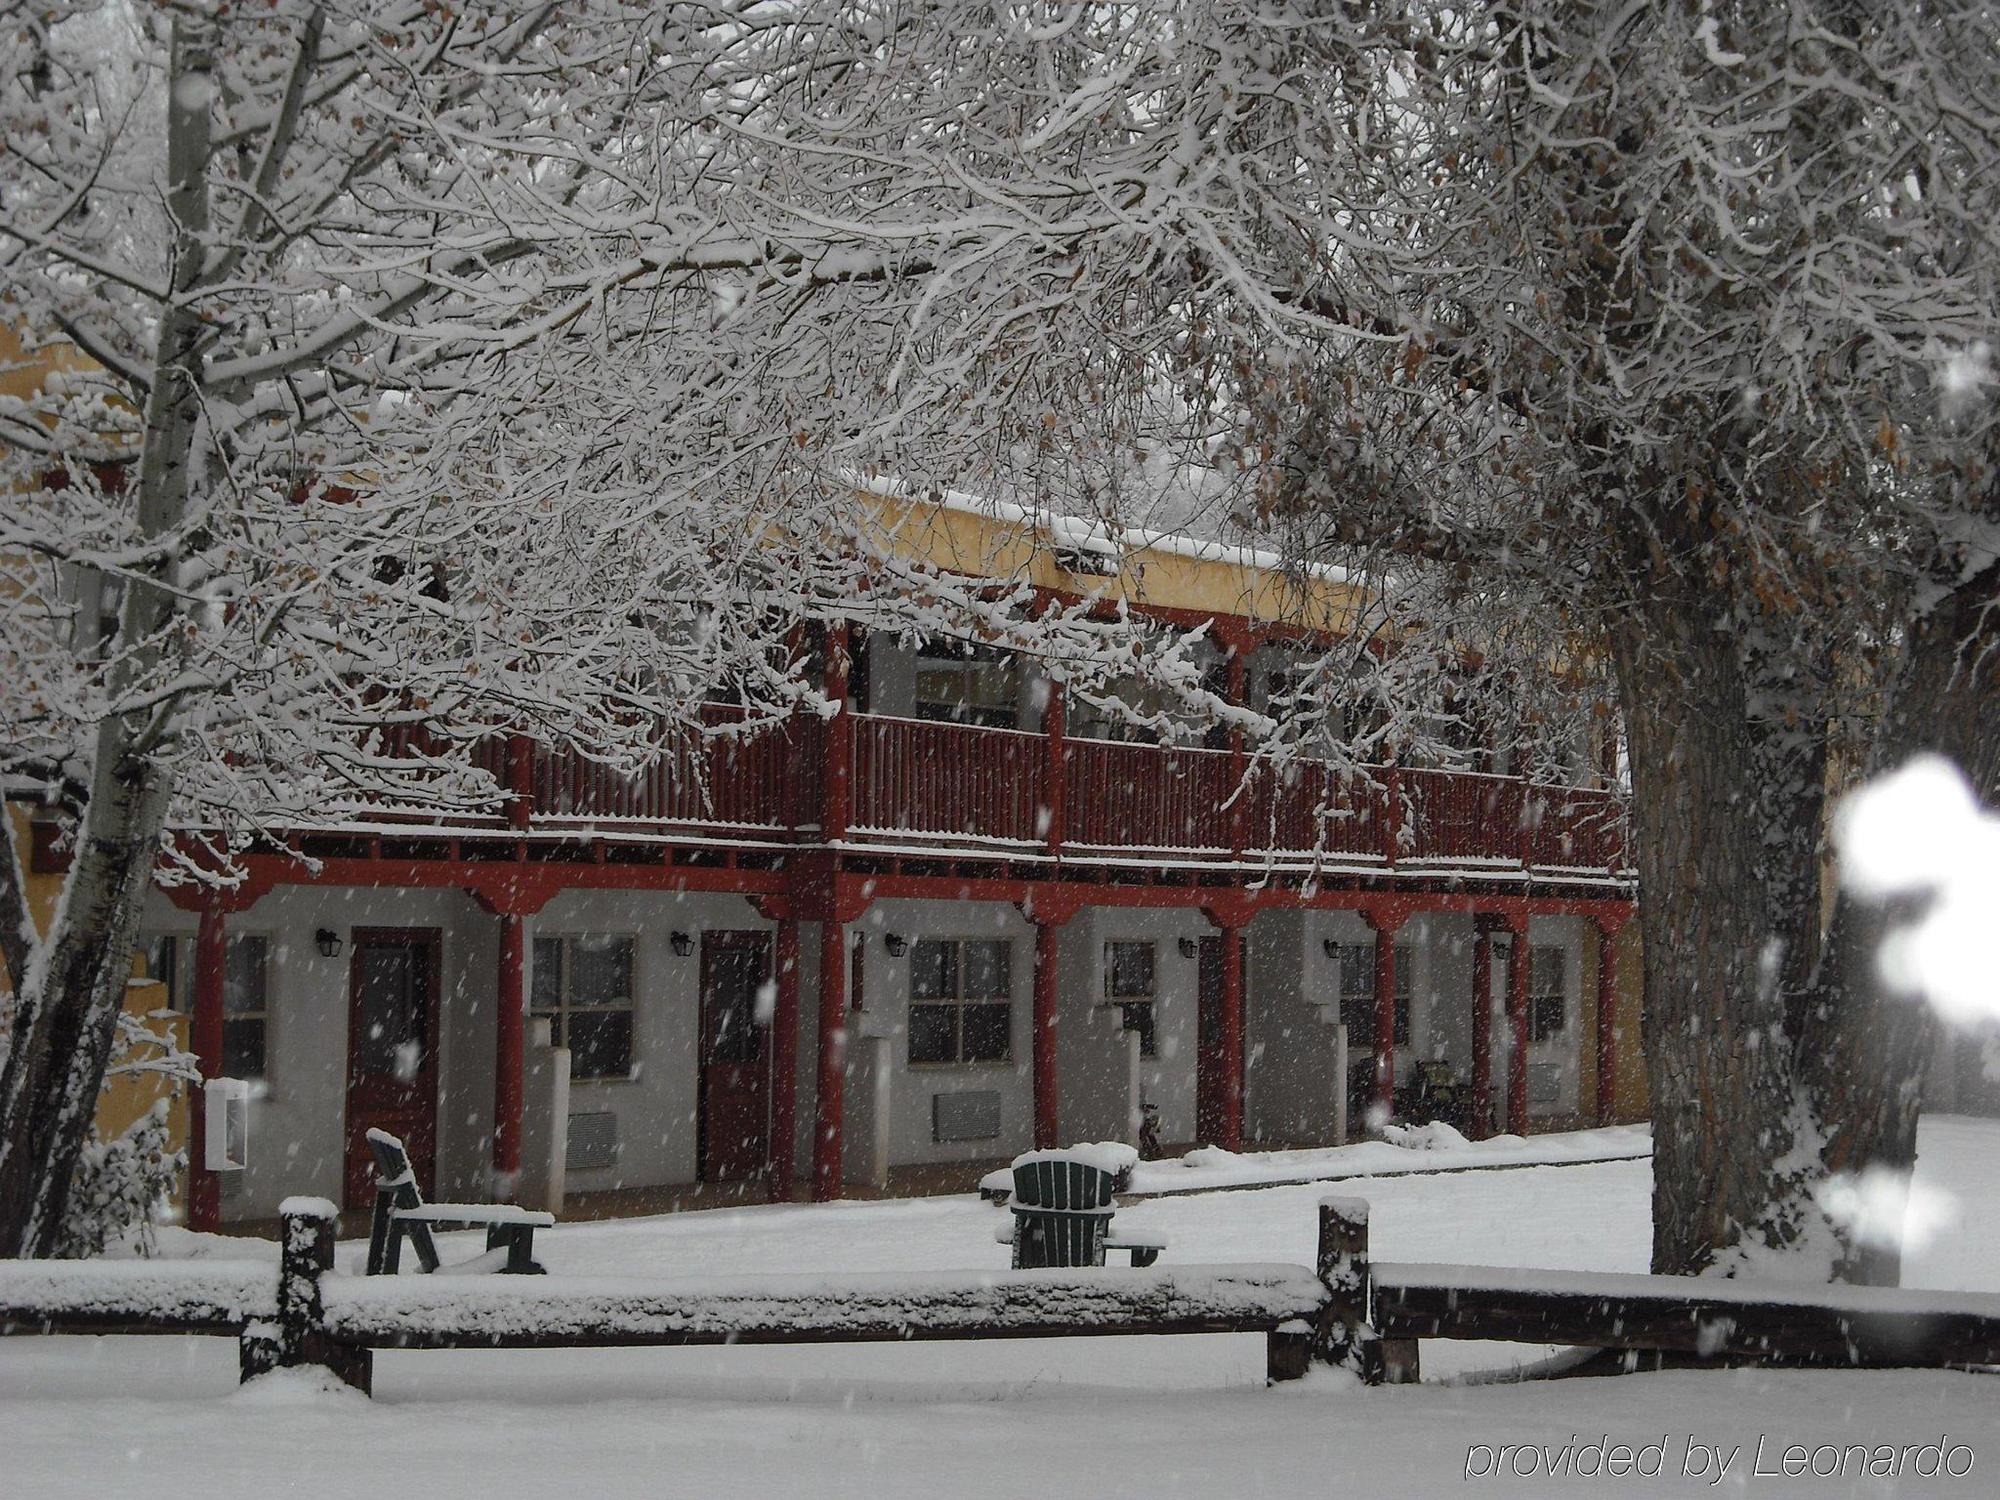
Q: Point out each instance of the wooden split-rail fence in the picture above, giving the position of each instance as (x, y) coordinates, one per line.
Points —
(1344, 1311)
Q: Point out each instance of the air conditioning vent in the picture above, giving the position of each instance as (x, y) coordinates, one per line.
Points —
(1544, 1083)
(965, 1117)
(593, 1141)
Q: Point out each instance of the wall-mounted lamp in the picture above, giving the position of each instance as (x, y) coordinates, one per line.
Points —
(328, 942)
(1332, 947)
(895, 944)
(681, 943)
(1189, 948)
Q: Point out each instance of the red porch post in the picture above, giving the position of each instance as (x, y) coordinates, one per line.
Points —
(830, 1097)
(511, 898)
(1048, 1092)
(520, 781)
(785, 1060)
(1239, 808)
(1482, 1026)
(1231, 919)
(1387, 922)
(1050, 909)
(510, 1052)
(1517, 1027)
(1607, 1016)
(836, 744)
(1055, 778)
(1232, 1038)
(1392, 818)
(211, 951)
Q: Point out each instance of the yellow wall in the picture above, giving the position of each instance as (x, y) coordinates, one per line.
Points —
(1172, 573)
(127, 1097)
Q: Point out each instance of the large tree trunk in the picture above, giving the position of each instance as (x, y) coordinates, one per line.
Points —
(66, 1014)
(1726, 814)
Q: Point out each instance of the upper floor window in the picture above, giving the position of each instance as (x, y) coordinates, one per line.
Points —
(1548, 993)
(1131, 982)
(961, 1000)
(583, 987)
(962, 683)
(1357, 993)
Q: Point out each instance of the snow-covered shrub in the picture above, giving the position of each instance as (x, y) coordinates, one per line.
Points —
(119, 1187)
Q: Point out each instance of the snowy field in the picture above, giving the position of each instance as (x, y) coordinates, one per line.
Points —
(1152, 1418)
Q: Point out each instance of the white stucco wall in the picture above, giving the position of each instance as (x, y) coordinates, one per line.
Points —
(298, 1119)
(1292, 1074)
(886, 988)
(655, 1106)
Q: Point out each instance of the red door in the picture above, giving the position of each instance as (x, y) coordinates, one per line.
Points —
(1208, 1050)
(392, 1023)
(735, 1057)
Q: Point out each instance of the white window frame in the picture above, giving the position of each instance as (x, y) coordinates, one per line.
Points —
(565, 1006)
(1150, 999)
(957, 1003)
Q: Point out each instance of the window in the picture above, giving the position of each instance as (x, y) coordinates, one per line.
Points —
(961, 1001)
(583, 985)
(167, 959)
(1548, 993)
(961, 683)
(246, 1009)
(246, 994)
(1357, 993)
(1129, 982)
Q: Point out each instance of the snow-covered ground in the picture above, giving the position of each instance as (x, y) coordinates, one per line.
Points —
(1141, 1417)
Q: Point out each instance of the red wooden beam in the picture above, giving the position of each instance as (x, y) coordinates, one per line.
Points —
(836, 740)
(211, 952)
(511, 901)
(1517, 1027)
(785, 1060)
(1055, 770)
(509, 1058)
(830, 1097)
(1387, 918)
(1231, 918)
(1608, 926)
(1482, 1026)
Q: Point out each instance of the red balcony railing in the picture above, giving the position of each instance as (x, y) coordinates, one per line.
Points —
(920, 782)
(913, 776)
(1152, 797)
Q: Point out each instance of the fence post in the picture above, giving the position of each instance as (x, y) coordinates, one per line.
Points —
(307, 1227)
(1344, 1336)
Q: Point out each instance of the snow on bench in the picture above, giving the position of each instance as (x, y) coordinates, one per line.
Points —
(558, 1310)
(135, 1296)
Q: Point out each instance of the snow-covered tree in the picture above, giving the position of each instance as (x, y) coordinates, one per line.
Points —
(1664, 335)
(427, 373)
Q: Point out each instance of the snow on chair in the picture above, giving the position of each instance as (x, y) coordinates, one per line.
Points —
(1062, 1214)
(401, 1213)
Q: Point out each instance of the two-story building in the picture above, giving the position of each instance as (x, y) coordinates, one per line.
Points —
(960, 918)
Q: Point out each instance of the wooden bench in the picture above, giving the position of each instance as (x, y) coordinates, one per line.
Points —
(1061, 1215)
(401, 1213)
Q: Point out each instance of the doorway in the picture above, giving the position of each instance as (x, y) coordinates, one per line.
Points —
(735, 1056)
(392, 1015)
